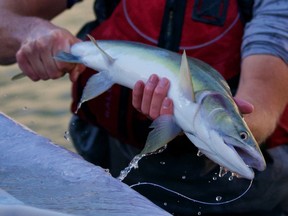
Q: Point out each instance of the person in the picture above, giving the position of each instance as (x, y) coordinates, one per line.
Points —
(246, 43)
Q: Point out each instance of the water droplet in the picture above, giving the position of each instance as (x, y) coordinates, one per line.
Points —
(165, 204)
(79, 106)
(132, 164)
(160, 150)
(199, 213)
(231, 178)
(214, 178)
(67, 135)
(218, 198)
(183, 177)
(222, 172)
(236, 175)
(162, 162)
(107, 171)
(199, 153)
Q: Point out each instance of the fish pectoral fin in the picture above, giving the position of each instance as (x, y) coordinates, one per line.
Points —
(164, 130)
(96, 85)
(185, 79)
(105, 54)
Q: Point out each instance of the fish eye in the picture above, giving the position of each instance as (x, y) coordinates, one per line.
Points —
(244, 135)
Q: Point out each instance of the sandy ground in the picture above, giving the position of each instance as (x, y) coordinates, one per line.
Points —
(43, 106)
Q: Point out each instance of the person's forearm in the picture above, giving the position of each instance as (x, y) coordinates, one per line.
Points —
(19, 18)
(263, 83)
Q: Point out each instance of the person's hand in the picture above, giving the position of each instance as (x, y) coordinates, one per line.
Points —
(35, 56)
(151, 98)
(244, 106)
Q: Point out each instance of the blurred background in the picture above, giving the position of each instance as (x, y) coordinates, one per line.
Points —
(44, 106)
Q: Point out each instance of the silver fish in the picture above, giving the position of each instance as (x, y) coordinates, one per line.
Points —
(204, 108)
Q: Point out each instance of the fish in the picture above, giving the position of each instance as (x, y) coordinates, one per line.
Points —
(204, 109)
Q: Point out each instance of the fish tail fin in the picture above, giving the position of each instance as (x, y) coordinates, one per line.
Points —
(67, 57)
(96, 85)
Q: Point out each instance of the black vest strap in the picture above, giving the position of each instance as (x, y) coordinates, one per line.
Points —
(246, 10)
(172, 23)
(104, 8)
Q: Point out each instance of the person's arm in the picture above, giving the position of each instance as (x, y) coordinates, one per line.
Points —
(264, 73)
(19, 18)
(28, 37)
(264, 83)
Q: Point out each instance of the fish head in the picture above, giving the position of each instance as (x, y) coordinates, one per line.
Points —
(224, 137)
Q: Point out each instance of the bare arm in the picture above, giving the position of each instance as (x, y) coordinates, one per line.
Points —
(264, 73)
(19, 19)
(30, 39)
(263, 83)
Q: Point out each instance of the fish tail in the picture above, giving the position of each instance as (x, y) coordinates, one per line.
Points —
(67, 57)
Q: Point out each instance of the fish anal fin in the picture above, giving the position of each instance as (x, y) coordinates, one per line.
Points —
(164, 130)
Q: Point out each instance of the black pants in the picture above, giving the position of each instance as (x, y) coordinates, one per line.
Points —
(182, 183)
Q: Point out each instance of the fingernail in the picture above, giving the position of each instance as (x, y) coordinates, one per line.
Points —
(163, 82)
(166, 103)
(153, 79)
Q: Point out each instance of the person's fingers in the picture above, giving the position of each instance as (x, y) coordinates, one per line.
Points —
(159, 94)
(167, 107)
(151, 98)
(137, 95)
(49, 65)
(148, 94)
(35, 56)
(73, 69)
(46, 54)
(74, 74)
(244, 106)
(25, 66)
(24, 63)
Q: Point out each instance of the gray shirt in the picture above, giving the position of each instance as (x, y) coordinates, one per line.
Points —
(267, 32)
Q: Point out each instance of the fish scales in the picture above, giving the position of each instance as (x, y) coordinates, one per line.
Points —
(204, 108)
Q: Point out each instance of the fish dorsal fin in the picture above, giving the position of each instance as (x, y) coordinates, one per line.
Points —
(185, 79)
(107, 57)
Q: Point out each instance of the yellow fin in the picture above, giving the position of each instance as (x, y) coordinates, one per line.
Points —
(185, 79)
(108, 57)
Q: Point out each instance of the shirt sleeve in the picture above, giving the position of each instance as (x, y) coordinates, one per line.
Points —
(70, 3)
(267, 32)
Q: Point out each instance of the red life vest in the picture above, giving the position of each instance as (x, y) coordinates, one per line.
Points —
(203, 37)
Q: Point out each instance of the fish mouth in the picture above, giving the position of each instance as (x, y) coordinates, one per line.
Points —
(250, 155)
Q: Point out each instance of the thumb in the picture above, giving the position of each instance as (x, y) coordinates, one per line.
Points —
(244, 106)
(74, 74)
